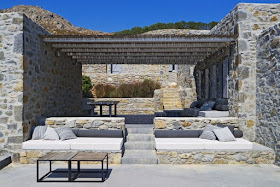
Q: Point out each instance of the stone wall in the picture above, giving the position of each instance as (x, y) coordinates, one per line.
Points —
(246, 21)
(51, 82)
(31, 156)
(130, 74)
(128, 105)
(11, 80)
(268, 89)
(99, 123)
(258, 155)
(193, 123)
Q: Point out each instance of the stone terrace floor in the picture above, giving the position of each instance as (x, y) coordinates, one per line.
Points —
(158, 175)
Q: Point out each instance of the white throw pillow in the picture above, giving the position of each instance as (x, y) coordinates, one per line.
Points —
(50, 134)
(224, 135)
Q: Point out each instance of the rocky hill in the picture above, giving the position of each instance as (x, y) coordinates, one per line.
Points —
(52, 22)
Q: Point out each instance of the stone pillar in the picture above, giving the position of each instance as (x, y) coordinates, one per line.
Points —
(213, 79)
(225, 78)
(206, 83)
(11, 81)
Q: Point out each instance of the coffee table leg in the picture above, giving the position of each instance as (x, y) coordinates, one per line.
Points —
(37, 171)
(102, 171)
(107, 165)
(78, 166)
(69, 170)
(50, 166)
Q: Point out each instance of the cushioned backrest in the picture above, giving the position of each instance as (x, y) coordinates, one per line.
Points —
(100, 133)
(237, 133)
(200, 103)
(177, 133)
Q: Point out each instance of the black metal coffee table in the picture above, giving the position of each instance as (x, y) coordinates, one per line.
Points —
(69, 158)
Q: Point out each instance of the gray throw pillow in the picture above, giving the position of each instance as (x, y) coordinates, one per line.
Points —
(65, 133)
(39, 132)
(193, 105)
(207, 106)
(224, 135)
(50, 134)
(231, 128)
(208, 132)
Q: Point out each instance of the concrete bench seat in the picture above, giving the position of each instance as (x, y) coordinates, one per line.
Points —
(213, 114)
(46, 145)
(197, 143)
(90, 144)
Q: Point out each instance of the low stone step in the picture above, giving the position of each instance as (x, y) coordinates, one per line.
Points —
(139, 145)
(139, 125)
(140, 130)
(140, 137)
(5, 161)
(139, 157)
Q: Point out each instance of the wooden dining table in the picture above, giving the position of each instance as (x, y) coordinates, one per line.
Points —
(93, 104)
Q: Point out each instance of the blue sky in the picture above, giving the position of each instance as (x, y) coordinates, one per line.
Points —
(116, 15)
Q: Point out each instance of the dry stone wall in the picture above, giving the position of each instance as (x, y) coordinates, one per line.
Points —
(260, 155)
(51, 81)
(246, 21)
(11, 80)
(99, 123)
(268, 89)
(191, 123)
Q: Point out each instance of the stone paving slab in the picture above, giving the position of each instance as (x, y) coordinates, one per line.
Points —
(157, 175)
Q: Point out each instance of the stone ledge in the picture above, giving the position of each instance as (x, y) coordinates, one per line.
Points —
(31, 156)
(186, 123)
(258, 155)
(100, 123)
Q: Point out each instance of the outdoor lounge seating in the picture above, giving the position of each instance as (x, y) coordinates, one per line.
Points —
(189, 140)
(218, 109)
(90, 140)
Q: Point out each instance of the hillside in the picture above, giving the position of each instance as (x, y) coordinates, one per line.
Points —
(52, 22)
(178, 26)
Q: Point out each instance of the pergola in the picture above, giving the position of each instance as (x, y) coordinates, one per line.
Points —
(139, 49)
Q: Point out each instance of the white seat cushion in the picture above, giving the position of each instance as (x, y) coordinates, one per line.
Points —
(46, 145)
(239, 143)
(97, 144)
(197, 143)
(214, 114)
(179, 143)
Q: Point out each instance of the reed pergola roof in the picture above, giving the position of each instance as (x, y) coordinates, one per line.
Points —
(139, 49)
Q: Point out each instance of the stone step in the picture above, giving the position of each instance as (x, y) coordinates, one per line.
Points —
(139, 125)
(140, 137)
(5, 161)
(140, 145)
(140, 130)
(139, 157)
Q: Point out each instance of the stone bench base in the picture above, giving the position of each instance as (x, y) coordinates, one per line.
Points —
(30, 157)
(258, 155)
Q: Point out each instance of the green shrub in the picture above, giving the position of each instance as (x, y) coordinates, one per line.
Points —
(143, 89)
(86, 86)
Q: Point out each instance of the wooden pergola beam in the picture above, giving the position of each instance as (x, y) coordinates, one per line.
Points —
(140, 50)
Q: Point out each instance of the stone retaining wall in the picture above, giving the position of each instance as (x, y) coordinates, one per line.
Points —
(130, 74)
(268, 89)
(194, 123)
(31, 156)
(100, 123)
(216, 157)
